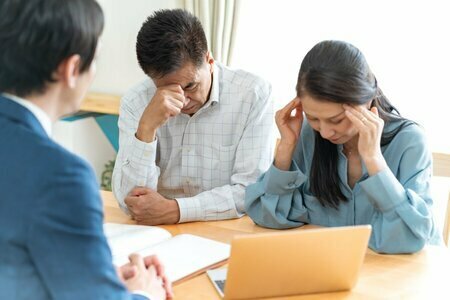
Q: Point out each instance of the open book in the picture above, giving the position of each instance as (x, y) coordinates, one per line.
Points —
(182, 255)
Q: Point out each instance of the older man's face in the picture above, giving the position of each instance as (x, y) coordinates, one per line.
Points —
(195, 81)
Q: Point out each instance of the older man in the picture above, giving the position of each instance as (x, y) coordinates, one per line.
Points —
(193, 134)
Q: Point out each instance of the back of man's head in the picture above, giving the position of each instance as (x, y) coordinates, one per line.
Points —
(36, 36)
(167, 40)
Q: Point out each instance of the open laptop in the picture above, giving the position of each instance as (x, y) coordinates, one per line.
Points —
(293, 262)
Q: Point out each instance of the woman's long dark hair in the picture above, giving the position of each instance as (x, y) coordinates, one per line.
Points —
(337, 71)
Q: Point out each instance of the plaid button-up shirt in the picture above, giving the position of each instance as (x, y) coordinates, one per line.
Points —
(204, 161)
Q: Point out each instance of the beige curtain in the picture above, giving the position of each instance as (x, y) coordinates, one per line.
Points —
(219, 19)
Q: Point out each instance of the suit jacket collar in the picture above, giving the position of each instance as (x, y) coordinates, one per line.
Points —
(21, 115)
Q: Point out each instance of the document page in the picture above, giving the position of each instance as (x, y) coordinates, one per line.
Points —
(186, 254)
(124, 239)
(182, 255)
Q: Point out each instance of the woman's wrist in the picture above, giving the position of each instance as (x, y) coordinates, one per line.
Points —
(283, 157)
(375, 164)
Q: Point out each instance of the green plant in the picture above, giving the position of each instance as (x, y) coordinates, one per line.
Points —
(107, 175)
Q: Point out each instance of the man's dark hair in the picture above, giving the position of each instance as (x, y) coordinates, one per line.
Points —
(167, 40)
(36, 36)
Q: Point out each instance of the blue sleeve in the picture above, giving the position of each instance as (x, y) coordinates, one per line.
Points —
(403, 221)
(66, 240)
(276, 200)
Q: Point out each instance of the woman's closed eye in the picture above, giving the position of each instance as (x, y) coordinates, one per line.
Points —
(335, 122)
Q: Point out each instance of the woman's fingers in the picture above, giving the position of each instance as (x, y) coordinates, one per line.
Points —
(365, 117)
(355, 120)
(287, 110)
(299, 110)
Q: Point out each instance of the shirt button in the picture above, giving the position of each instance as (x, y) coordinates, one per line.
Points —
(146, 154)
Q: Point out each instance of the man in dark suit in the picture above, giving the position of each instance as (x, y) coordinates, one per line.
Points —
(52, 244)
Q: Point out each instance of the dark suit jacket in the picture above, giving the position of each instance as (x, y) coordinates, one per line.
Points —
(52, 244)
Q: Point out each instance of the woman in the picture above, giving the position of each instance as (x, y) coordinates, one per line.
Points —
(354, 160)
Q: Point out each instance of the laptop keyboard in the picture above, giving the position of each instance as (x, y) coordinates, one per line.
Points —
(220, 284)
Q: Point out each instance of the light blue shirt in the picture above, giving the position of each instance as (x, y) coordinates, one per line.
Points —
(396, 201)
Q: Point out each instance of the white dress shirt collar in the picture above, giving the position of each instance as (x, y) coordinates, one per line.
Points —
(41, 115)
(215, 89)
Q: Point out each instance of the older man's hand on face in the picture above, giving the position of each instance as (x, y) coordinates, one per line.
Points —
(148, 207)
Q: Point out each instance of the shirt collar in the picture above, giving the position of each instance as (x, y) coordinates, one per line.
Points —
(215, 90)
(41, 115)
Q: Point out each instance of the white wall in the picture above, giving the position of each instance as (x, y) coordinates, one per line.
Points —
(406, 43)
(117, 67)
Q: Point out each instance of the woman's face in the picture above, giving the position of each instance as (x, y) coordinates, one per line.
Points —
(329, 119)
